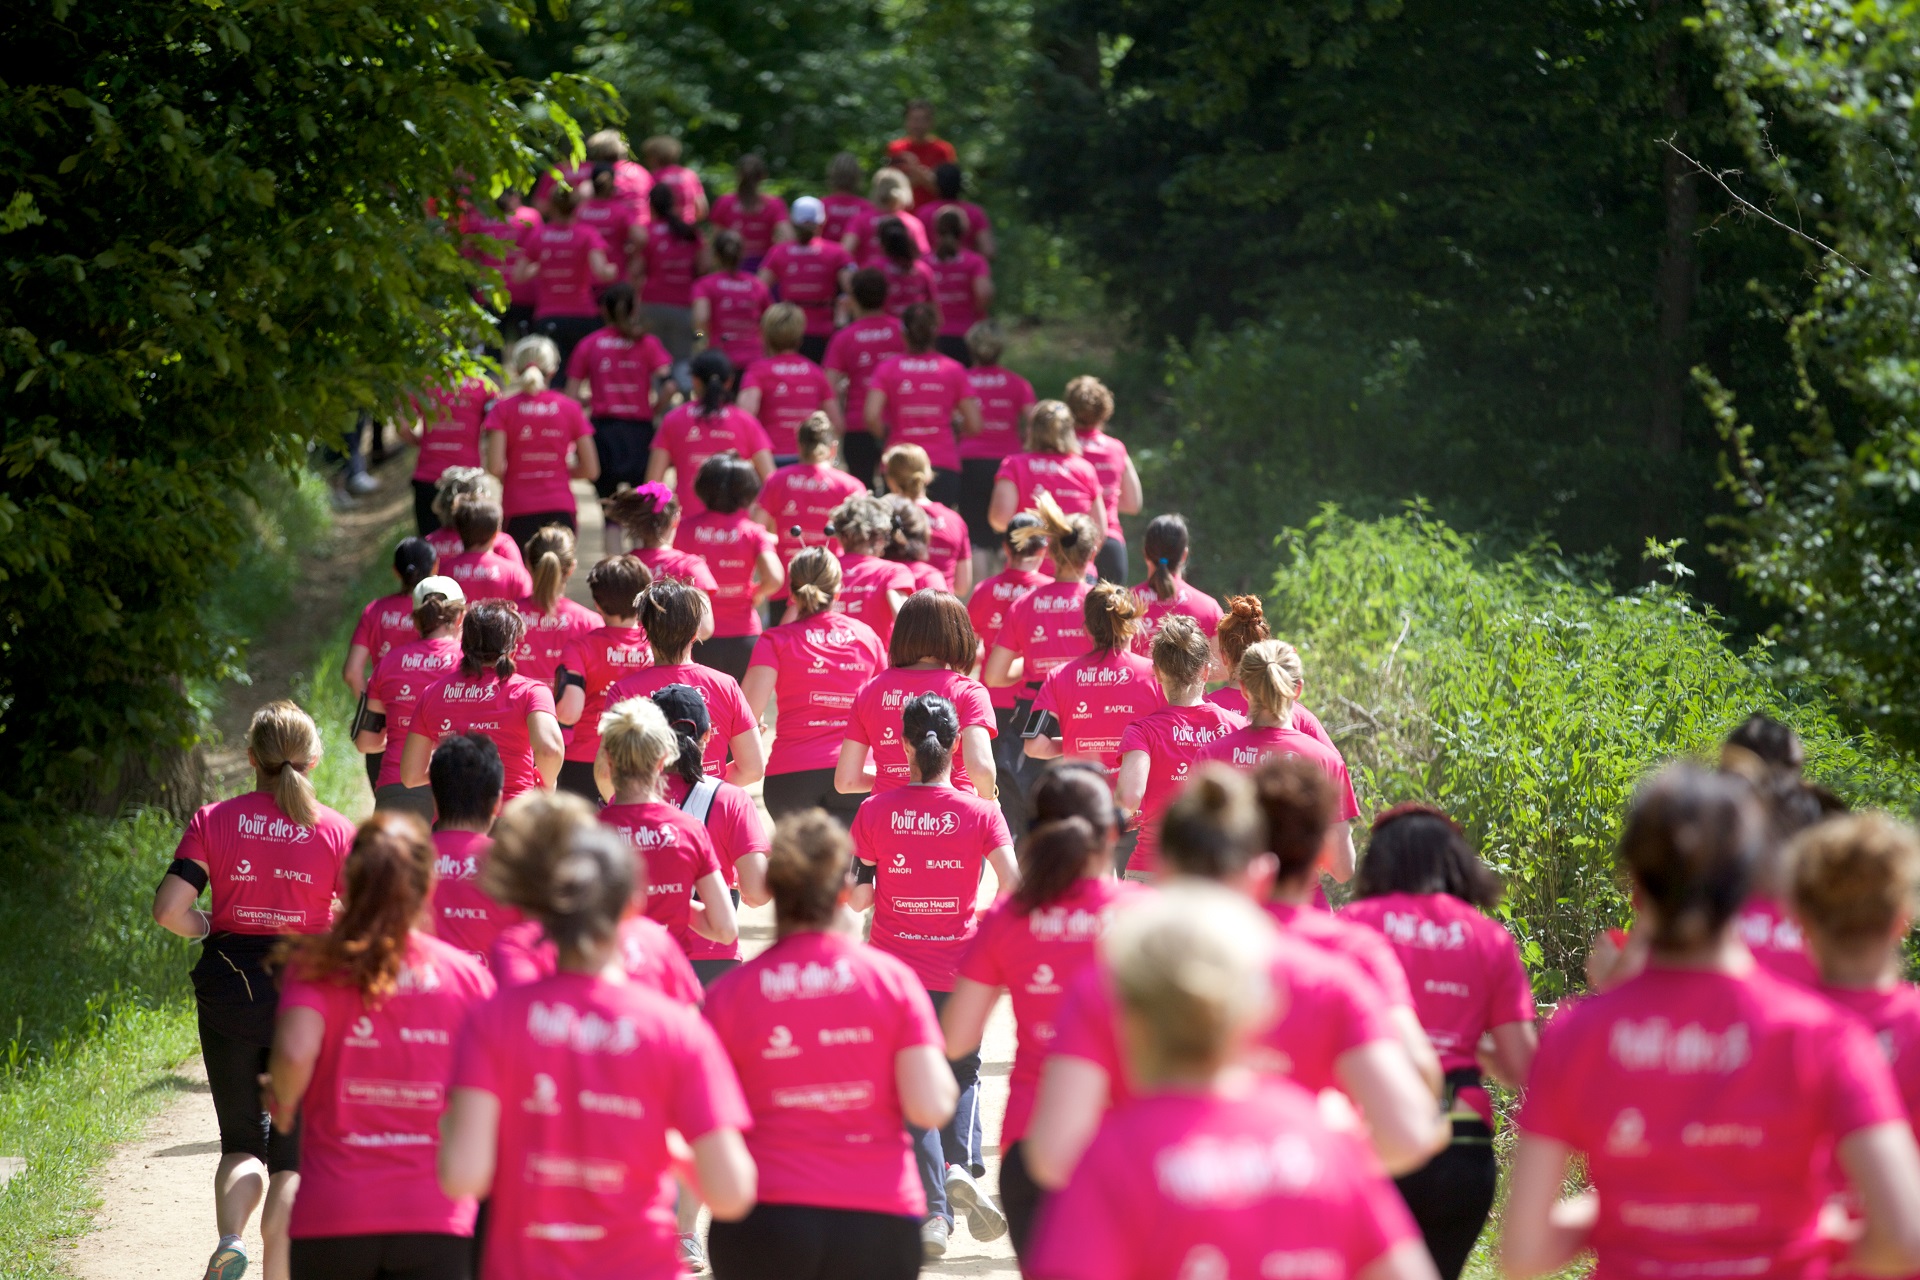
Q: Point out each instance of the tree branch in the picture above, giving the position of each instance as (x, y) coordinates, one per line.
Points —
(1719, 180)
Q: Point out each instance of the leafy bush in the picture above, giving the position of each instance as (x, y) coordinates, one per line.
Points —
(1530, 702)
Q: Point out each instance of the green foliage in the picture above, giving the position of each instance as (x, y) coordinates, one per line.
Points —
(217, 250)
(1530, 701)
(1829, 530)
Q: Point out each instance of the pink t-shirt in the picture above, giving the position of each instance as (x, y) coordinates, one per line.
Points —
(866, 232)
(1108, 455)
(930, 844)
(447, 543)
(614, 219)
(908, 285)
(1172, 738)
(803, 495)
(792, 388)
(564, 286)
(397, 683)
(844, 210)
(541, 430)
(989, 605)
(648, 953)
(814, 1025)
(451, 422)
(678, 854)
(948, 545)
(691, 438)
(1776, 940)
(1328, 1008)
(808, 275)
(548, 635)
(1004, 398)
(463, 916)
(928, 211)
(731, 545)
(387, 623)
(953, 284)
(590, 1075)
(687, 185)
(671, 263)
(736, 301)
(1894, 1016)
(667, 562)
(820, 664)
(734, 826)
(923, 392)
(268, 875)
(875, 721)
(1370, 952)
(1707, 1105)
(1198, 605)
(1095, 697)
(1034, 955)
(864, 583)
(483, 575)
(600, 657)
(755, 225)
(1047, 628)
(726, 705)
(925, 576)
(1072, 481)
(1190, 1185)
(370, 1134)
(1249, 748)
(1463, 970)
(505, 254)
(856, 350)
(620, 371)
(491, 706)
(1233, 698)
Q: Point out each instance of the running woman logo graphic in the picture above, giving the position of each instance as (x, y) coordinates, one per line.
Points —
(806, 982)
(1657, 1045)
(448, 867)
(780, 1045)
(545, 1100)
(1224, 1173)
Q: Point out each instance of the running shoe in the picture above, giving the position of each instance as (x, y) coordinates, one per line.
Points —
(984, 1219)
(692, 1256)
(361, 484)
(229, 1261)
(933, 1238)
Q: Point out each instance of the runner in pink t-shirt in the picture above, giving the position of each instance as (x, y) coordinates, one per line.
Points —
(614, 368)
(446, 427)
(838, 1053)
(671, 257)
(870, 337)
(1005, 397)
(843, 205)
(1050, 465)
(1092, 699)
(917, 396)
(962, 280)
(949, 551)
(704, 426)
(394, 692)
(591, 663)
(872, 589)
(1091, 405)
(361, 1056)
(740, 554)
(484, 695)
(1243, 623)
(815, 665)
(728, 303)
(930, 654)
(760, 220)
(1166, 590)
(467, 778)
(783, 388)
(616, 217)
(862, 239)
(810, 272)
(537, 441)
(551, 618)
(798, 501)
(565, 258)
(387, 623)
(992, 600)
(1046, 628)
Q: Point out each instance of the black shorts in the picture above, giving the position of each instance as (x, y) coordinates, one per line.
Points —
(1111, 561)
(730, 654)
(423, 518)
(234, 1065)
(1451, 1195)
(623, 445)
(976, 496)
(804, 789)
(373, 761)
(802, 1242)
(945, 487)
(1020, 1197)
(814, 346)
(411, 1255)
(710, 971)
(522, 528)
(954, 346)
(576, 776)
(861, 453)
(415, 800)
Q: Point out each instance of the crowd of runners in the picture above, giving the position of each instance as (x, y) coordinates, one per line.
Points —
(863, 630)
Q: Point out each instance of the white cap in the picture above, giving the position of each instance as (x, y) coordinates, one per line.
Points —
(438, 585)
(807, 211)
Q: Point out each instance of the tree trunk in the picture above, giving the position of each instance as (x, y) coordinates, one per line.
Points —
(1675, 281)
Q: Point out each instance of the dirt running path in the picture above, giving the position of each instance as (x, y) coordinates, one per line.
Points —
(156, 1217)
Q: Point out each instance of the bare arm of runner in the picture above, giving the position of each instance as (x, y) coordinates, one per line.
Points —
(715, 920)
(926, 1086)
(469, 1142)
(964, 1019)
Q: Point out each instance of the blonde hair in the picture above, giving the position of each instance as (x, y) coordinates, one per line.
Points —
(816, 438)
(891, 189)
(285, 744)
(637, 741)
(1271, 677)
(863, 523)
(985, 343)
(456, 483)
(661, 148)
(1089, 400)
(531, 364)
(908, 469)
(1854, 877)
(1192, 968)
(1050, 429)
(607, 146)
(551, 554)
(813, 580)
(1073, 539)
(552, 859)
(1112, 614)
(782, 327)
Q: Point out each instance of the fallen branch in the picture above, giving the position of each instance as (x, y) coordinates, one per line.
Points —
(1719, 180)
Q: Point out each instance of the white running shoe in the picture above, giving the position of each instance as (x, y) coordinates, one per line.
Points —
(693, 1256)
(229, 1260)
(964, 1193)
(933, 1238)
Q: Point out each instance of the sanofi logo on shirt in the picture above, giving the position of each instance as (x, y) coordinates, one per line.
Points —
(780, 1045)
(545, 1099)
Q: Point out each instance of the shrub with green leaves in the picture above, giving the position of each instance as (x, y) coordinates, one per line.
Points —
(1530, 701)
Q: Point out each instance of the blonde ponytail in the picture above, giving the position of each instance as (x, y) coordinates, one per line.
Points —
(813, 580)
(1112, 614)
(551, 553)
(637, 741)
(1271, 677)
(1073, 539)
(284, 745)
(531, 365)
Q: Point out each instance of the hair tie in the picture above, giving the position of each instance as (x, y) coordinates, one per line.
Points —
(1162, 562)
(657, 492)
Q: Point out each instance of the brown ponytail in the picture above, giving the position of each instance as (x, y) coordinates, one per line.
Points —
(284, 744)
(1180, 653)
(646, 513)
(1112, 614)
(488, 637)
(813, 580)
(816, 436)
(1073, 812)
(551, 553)
(1073, 539)
(389, 877)
(1165, 545)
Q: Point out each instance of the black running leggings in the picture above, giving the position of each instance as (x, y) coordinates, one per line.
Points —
(414, 1255)
(1452, 1194)
(234, 1066)
(1020, 1196)
(803, 1242)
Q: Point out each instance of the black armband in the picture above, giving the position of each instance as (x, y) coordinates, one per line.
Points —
(564, 678)
(190, 871)
(1041, 724)
(865, 872)
(371, 722)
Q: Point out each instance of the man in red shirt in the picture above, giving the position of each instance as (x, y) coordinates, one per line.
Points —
(919, 153)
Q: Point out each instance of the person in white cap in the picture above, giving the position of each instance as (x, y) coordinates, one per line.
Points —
(439, 607)
(809, 272)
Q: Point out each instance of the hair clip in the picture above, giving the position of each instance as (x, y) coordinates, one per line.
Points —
(659, 493)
